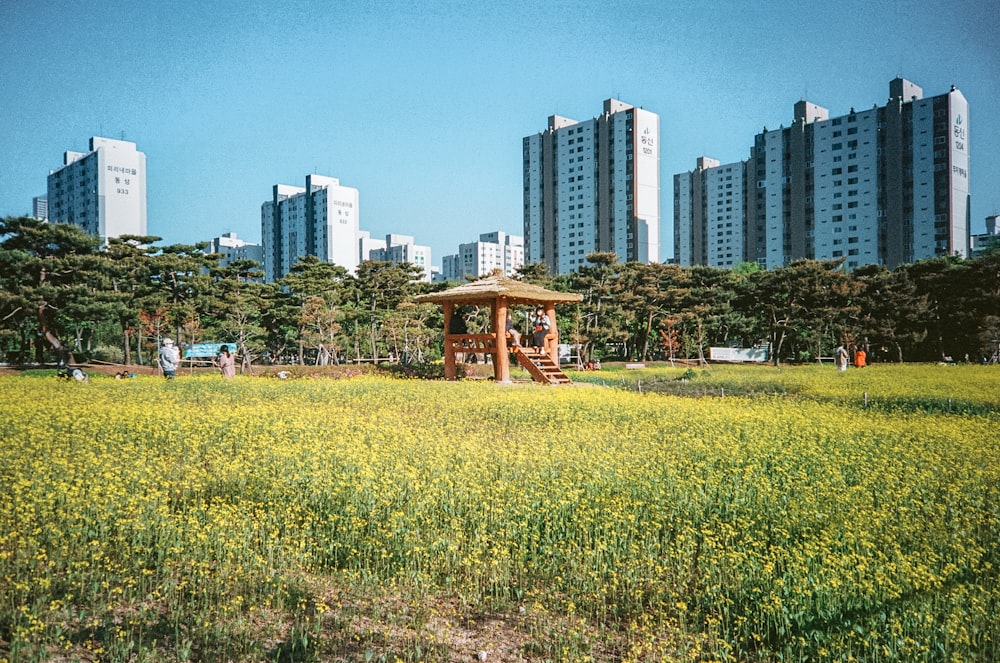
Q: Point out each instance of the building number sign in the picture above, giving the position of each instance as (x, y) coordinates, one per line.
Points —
(123, 178)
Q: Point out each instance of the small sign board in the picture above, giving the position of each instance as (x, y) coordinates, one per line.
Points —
(200, 350)
(757, 355)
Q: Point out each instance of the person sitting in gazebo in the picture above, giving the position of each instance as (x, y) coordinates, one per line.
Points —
(511, 328)
(541, 324)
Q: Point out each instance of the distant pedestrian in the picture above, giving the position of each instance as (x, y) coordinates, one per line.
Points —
(840, 356)
(227, 362)
(170, 359)
(860, 358)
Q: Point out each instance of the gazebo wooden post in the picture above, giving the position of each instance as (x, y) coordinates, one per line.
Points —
(449, 349)
(501, 361)
(550, 310)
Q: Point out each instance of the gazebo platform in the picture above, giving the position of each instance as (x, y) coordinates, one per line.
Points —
(501, 293)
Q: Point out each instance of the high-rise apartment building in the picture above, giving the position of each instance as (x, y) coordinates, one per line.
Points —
(320, 220)
(888, 185)
(232, 248)
(103, 191)
(40, 208)
(593, 186)
(401, 248)
(978, 244)
(710, 204)
(494, 250)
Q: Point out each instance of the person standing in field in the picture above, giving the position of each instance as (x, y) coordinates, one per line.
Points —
(840, 357)
(860, 358)
(227, 362)
(169, 358)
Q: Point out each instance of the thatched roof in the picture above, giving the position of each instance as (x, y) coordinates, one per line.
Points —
(496, 285)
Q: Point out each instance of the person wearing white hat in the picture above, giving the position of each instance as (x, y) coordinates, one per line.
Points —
(169, 358)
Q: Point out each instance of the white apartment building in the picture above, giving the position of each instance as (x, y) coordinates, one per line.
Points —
(103, 191)
(40, 208)
(321, 219)
(402, 248)
(367, 244)
(979, 243)
(232, 248)
(494, 250)
(888, 185)
(593, 186)
(709, 214)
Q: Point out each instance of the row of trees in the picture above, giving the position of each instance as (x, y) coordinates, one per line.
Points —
(931, 310)
(61, 294)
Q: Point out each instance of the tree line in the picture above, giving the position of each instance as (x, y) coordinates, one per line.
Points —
(62, 295)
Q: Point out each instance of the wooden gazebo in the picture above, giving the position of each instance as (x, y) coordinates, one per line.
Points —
(501, 293)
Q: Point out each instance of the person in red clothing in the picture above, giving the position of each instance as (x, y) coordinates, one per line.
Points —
(860, 357)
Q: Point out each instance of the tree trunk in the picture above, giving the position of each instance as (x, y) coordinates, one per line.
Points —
(701, 344)
(777, 340)
(53, 340)
(645, 340)
(22, 352)
(128, 347)
(245, 366)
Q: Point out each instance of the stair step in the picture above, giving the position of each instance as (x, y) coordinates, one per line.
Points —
(541, 367)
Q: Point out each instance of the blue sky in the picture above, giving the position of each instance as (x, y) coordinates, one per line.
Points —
(422, 105)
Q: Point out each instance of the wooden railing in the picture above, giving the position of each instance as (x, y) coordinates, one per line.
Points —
(472, 342)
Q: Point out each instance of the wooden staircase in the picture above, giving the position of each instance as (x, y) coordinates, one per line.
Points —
(540, 366)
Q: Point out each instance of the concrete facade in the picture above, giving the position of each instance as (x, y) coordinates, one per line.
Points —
(231, 248)
(593, 186)
(40, 208)
(991, 238)
(102, 191)
(887, 185)
(403, 248)
(321, 219)
(709, 213)
(494, 250)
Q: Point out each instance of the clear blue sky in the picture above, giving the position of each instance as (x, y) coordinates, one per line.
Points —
(422, 105)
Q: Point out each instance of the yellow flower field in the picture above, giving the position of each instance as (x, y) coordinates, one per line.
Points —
(380, 519)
